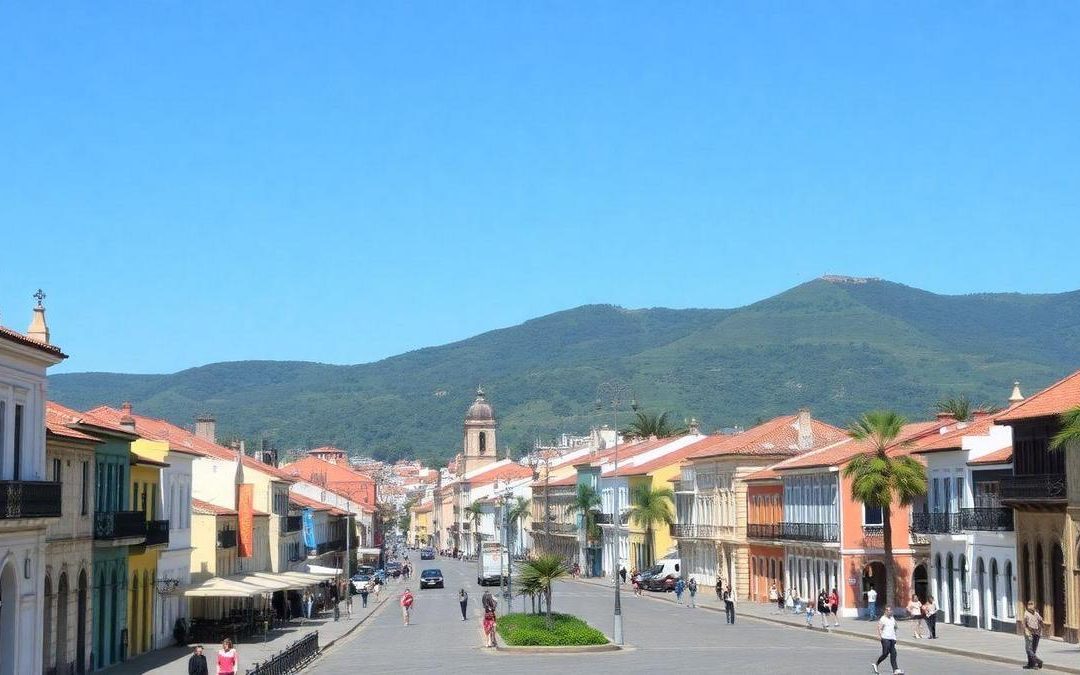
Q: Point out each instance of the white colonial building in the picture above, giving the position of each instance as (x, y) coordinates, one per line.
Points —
(29, 499)
(972, 542)
(174, 562)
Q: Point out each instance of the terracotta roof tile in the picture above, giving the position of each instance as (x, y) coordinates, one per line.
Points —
(1054, 400)
(765, 474)
(19, 338)
(667, 459)
(206, 508)
(1002, 456)
(777, 437)
(57, 419)
(953, 437)
(840, 452)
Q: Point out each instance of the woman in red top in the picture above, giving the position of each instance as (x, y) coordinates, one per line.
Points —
(489, 628)
(834, 605)
(227, 661)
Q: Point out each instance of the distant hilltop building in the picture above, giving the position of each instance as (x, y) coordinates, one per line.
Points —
(329, 453)
(843, 279)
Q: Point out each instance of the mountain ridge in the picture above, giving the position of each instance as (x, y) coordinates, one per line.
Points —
(839, 347)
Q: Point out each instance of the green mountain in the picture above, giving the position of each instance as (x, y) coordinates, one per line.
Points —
(838, 345)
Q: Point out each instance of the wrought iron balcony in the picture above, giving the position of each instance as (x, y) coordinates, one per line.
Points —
(119, 524)
(683, 485)
(1044, 487)
(29, 499)
(157, 532)
(763, 531)
(824, 532)
(998, 519)
(603, 519)
(691, 531)
(226, 538)
(936, 523)
(292, 523)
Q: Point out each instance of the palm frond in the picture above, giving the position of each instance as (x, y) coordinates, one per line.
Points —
(1070, 429)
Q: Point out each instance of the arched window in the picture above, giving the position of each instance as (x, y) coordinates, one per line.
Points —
(964, 602)
(483, 442)
(1009, 588)
(994, 587)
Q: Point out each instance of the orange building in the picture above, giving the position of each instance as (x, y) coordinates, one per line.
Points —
(337, 477)
(764, 513)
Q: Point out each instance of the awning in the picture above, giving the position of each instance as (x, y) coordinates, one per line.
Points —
(368, 551)
(324, 572)
(269, 582)
(218, 587)
(286, 579)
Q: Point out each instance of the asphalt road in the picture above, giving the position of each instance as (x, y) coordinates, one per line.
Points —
(659, 637)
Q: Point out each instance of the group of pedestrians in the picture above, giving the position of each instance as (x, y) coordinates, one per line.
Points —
(228, 663)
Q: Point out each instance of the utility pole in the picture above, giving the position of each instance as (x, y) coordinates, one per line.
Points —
(616, 394)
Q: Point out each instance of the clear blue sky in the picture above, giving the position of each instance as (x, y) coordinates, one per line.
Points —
(194, 182)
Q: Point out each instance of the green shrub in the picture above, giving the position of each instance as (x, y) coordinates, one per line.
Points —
(530, 630)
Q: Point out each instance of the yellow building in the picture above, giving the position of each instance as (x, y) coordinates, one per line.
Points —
(656, 474)
(420, 531)
(146, 465)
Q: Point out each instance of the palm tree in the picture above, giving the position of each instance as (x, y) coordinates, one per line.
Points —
(879, 479)
(474, 511)
(541, 573)
(649, 507)
(1070, 429)
(957, 406)
(646, 425)
(519, 510)
(587, 503)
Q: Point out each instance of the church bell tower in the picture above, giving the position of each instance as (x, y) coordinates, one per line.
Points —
(480, 447)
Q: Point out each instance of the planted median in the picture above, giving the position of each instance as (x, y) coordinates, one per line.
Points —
(533, 630)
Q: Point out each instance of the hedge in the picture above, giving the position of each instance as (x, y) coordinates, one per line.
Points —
(530, 630)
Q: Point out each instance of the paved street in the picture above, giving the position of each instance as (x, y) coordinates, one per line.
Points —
(660, 637)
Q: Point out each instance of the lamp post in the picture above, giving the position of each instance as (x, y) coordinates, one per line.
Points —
(507, 496)
(616, 394)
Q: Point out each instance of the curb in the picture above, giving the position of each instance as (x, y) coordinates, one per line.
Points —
(847, 633)
(349, 632)
(576, 649)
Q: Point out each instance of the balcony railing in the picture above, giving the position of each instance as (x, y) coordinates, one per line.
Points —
(825, 532)
(691, 531)
(157, 532)
(1036, 487)
(683, 485)
(603, 519)
(226, 538)
(119, 524)
(292, 523)
(999, 519)
(559, 528)
(936, 523)
(763, 531)
(29, 499)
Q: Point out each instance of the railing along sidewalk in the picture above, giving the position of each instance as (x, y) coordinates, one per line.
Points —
(291, 659)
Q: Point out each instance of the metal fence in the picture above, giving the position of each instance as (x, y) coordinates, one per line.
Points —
(290, 660)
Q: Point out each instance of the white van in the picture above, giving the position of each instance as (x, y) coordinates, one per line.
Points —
(662, 575)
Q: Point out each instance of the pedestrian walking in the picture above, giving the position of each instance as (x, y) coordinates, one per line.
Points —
(780, 600)
(719, 587)
(406, 605)
(808, 607)
(930, 614)
(228, 662)
(489, 629)
(692, 587)
(887, 634)
(376, 588)
(1033, 623)
(680, 586)
(729, 605)
(196, 665)
(772, 594)
(823, 608)
(488, 601)
(463, 600)
(914, 609)
(834, 605)
(622, 575)
(871, 604)
(363, 595)
(790, 602)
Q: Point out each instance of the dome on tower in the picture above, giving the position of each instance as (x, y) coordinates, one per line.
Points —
(480, 410)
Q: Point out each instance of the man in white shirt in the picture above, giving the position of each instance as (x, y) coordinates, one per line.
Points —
(887, 634)
(871, 603)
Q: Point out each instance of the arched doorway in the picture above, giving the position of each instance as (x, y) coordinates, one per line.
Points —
(874, 577)
(61, 623)
(920, 581)
(1057, 578)
(980, 594)
(134, 620)
(80, 625)
(1040, 590)
(9, 619)
(147, 613)
(950, 590)
(47, 625)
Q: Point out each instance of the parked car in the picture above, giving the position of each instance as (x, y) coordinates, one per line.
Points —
(431, 579)
(662, 575)
(393, 569)
(427, 553)
(361, 582)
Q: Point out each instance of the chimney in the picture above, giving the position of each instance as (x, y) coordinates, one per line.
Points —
(1016, 396)
(206, 427)
(126, 420)
(38, 330)
(806, 431)
(695, 428)
(944, 416)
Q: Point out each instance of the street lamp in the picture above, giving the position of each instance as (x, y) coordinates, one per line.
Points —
(616, 394)
(507, 496)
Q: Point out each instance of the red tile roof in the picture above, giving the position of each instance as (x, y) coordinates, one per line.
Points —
(660, 462)
(841, 452)
(209, 509)
(777, 437)
(338, 478)
(490, 474)
(953, 439)
(1002, 456)
(1054, 400)
(182, 440)
(307, 502)
(19, 338)
(763, 475)
(57, 419)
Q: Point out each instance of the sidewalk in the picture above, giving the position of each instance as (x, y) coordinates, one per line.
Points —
(173, 660)
(1000, 647)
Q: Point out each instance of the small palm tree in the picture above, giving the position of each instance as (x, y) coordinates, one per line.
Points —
(1070, 429)
(879, 479)
(474, 511)
(587, 503)
(541, 573)
(519, 510)
(650, 507)
(647, 425)
(957, 406)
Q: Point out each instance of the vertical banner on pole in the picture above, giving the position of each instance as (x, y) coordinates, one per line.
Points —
(245, 509)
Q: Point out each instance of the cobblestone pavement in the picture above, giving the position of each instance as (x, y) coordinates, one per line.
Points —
(660, 637)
